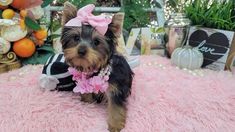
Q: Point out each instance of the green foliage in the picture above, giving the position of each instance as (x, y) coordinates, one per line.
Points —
(79, 3)
(51, 37)
(55, 25)
(218, 15)
(32, 24)
(209, 13)
(135, 15)
(46, 3)
(158, 30)
(1, 14)
(173, 4)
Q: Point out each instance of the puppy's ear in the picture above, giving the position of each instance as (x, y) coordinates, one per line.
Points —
(117, 24)
(69, 12)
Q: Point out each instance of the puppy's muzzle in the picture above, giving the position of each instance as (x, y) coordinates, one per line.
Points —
(82, 50)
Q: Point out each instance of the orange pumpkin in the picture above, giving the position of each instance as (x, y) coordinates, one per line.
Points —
(23, 4)
(19, 4)
(24, 47)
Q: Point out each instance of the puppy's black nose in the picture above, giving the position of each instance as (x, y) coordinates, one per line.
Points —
(82, 50)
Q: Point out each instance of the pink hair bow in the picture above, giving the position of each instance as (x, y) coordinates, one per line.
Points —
(85, 16)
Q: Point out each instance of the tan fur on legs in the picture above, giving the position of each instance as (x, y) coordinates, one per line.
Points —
(116, 113)
(116, 117)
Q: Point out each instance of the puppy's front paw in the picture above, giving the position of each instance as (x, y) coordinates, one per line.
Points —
(114, 129)
(117, 119)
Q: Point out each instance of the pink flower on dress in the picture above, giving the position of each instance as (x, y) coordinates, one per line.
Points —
(94, 84)
(76, 74)
(98, 84)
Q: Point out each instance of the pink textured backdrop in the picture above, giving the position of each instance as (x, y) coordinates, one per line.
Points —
(163, 98)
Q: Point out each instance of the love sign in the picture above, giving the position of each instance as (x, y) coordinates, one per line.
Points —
(214, 44)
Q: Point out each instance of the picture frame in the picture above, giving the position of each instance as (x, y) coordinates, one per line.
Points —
(216, 45)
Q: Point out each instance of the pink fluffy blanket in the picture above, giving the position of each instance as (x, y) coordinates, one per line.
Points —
(163, 98)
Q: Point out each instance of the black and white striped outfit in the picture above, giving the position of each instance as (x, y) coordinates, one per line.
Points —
(56, 68)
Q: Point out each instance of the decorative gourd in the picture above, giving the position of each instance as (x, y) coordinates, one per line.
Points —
(6, 22)
(18, 4)
(187, 57)
(4, 46)
(25, 4)
(13, 33)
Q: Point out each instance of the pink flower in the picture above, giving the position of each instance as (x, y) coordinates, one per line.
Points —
(86, 86)
(94, 84)
(98, 84)
(77, 89)
(76, 74)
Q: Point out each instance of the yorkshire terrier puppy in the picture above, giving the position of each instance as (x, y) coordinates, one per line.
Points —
(88, 48)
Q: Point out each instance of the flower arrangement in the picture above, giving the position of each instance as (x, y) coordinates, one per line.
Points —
(22, 32)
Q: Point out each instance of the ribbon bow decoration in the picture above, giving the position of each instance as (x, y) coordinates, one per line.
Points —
(85, 16)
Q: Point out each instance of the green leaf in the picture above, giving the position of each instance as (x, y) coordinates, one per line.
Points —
(46, 3)
(42, 58)
(31, 24)
(0, 14)
(46, 48)
(83, 2)
(160, 30)
(53, 36)
(156, 4)
(37, 58)
(31, 60)
(172, 3)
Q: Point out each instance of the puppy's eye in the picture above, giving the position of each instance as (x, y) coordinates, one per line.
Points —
(76, 38)
(96, 42)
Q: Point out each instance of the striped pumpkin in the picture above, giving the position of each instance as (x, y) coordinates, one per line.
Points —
(187, 57)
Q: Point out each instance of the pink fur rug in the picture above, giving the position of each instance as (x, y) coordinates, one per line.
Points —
(164, 98)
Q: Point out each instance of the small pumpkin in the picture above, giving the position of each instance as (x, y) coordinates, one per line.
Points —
(7, 22)
(187, 57)
(18, 4)
(13, 33)
(24, 4)
(4, 46)
(24, 48)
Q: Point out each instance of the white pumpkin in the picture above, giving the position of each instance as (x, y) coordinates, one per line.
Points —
(187, 57)
(7, 22)
(5, 2)
(13, 33)
(4, 46)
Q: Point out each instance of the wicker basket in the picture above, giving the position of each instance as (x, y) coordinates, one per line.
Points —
(13, 65)
(3, 68)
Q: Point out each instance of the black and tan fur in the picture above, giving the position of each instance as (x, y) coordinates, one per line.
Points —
(87, 50)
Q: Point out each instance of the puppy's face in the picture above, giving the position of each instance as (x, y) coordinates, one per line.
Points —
(84, 48)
